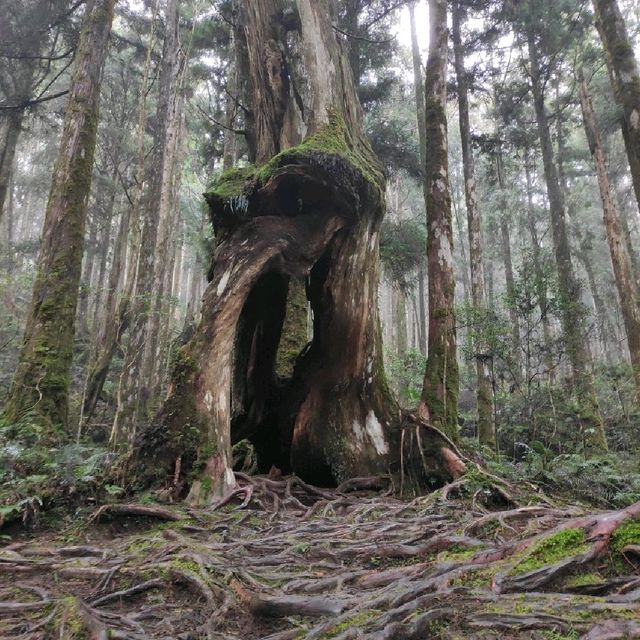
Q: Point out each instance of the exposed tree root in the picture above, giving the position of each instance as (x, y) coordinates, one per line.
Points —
(283, 560)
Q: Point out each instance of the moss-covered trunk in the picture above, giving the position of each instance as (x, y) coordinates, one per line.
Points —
(309, 213)
(625, 78)
(439, 402)
(41, 381)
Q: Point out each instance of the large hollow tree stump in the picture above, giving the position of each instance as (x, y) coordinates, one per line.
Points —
(309, 213)
(313, 213)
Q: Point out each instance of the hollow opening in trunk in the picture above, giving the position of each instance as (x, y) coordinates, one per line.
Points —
(271, 334)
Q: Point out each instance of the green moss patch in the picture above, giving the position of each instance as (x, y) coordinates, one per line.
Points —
(232, 183)
(626, 534)
(583, 580)
(551, 550)
(331, 139)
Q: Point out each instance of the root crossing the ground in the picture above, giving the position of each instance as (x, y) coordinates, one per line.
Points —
(283, 560)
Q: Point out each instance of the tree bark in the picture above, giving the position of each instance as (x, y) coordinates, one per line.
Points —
(41, 382)
(571, 314)
(132, 393)
(312, 213)
(439, 401)
(484, 393)
(622, 269)
(625, 79)
(114, 324)
(418, 85)
(10, 136)
(541, 282)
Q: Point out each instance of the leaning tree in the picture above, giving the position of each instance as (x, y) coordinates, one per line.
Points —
(308, 209)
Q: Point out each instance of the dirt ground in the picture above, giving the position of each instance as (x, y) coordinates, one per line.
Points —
(279, 559)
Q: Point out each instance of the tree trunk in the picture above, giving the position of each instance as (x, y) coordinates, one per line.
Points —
(625, 79)
(124, 265)
(82, 326)
(571, 312)
(505, 250)
(163, 270)
(418, 85)
(311, 212)
(485, 399)
(439, 401)
(114, 324)
(132, 393)
(541, 282)
(41, 382)
(10, 137)
(622, 270)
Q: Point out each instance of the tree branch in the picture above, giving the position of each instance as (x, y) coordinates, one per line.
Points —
(30, 103)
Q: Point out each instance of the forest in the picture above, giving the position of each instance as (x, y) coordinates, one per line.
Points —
(319, 319)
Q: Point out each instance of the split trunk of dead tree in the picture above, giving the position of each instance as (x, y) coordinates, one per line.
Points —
(311, 213)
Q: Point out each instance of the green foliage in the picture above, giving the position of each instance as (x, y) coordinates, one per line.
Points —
(31, 474)
(402, 250)
(405, 373)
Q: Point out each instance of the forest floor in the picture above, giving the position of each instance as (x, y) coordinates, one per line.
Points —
(282, 560)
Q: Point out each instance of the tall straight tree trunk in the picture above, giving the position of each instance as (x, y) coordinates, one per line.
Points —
(310, 212)
(606, 333)
(540, 283)
(163, 269)
(439, 401)
(124, 265)
(41, 382)
(132, 394)
(485, 399)
(505, 250)
(625, 78)
(12, 126)
(573, 325)
(113, 326)
(622, 269)
(82, 325)
(418, 83)
(229, 144)
(466, 269)
(10, 135)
